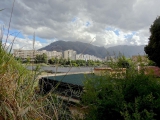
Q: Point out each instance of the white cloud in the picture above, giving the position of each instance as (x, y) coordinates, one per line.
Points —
(82, 20)
(19, 43)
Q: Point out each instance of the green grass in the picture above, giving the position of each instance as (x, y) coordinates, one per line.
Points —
(18, 94)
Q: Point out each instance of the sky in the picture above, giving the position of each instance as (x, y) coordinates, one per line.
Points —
(99, 22)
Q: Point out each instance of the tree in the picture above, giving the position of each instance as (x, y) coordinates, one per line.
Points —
(28, 59)
(44, 58)
(123, 62)
(51, 61)
(153, 47)
(41, 58)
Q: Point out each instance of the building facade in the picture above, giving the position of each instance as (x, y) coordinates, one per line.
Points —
(87, 57)
(69, 55)
(24, 54)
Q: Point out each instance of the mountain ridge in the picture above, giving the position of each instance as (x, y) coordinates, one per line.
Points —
(101, 52)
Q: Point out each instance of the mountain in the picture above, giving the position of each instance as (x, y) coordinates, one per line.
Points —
(80, 47)
(90, 49)
(126, 50)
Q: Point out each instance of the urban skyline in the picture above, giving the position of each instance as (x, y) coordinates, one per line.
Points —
(67, 54)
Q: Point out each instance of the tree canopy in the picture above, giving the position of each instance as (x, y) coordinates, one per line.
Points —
(153, 47)
(41, 58)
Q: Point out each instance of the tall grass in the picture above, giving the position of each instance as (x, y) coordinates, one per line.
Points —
(19, 97)
(19, 92)
(16, 91)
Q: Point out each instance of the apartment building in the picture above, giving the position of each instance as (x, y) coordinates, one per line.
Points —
(87, 57)
(80, 57)
(32, 53)
(24, 53)
(53, 54)
(69, 54)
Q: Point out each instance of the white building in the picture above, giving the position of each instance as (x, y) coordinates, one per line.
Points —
(53, 54)
(69, 54)
(24, 53)
(87, 57)
(32, 53)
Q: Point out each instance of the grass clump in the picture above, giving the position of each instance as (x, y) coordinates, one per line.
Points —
(18, 97)
(15, 89)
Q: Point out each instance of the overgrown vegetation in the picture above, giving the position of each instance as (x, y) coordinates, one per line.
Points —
(19, 98)
(134, 97)
(41, 58)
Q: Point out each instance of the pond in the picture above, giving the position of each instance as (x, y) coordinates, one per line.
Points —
(63, 69)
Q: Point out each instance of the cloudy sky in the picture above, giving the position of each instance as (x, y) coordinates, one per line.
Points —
(101, 22)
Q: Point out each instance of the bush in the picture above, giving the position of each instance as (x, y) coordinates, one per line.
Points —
(136, 97)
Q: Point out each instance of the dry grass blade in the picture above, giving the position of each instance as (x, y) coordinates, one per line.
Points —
(9, 24)
(23, 111)
(12, 43)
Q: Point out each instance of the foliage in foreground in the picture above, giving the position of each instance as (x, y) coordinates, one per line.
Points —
(18, 97)
(153, 47)
(135, 97)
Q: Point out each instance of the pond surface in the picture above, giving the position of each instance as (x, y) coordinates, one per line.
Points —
(63, 69)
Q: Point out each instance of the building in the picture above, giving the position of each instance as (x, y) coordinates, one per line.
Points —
(87, 57)
(53, 54)
(69, 55)
(80, 57)
(24, 54)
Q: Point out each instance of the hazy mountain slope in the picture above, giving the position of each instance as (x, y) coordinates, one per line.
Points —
(101, 52)
(80, 47)
(126, 50)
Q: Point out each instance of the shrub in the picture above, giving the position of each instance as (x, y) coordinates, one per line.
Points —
(134, 97)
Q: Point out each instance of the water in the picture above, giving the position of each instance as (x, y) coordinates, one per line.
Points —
(63, 69)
